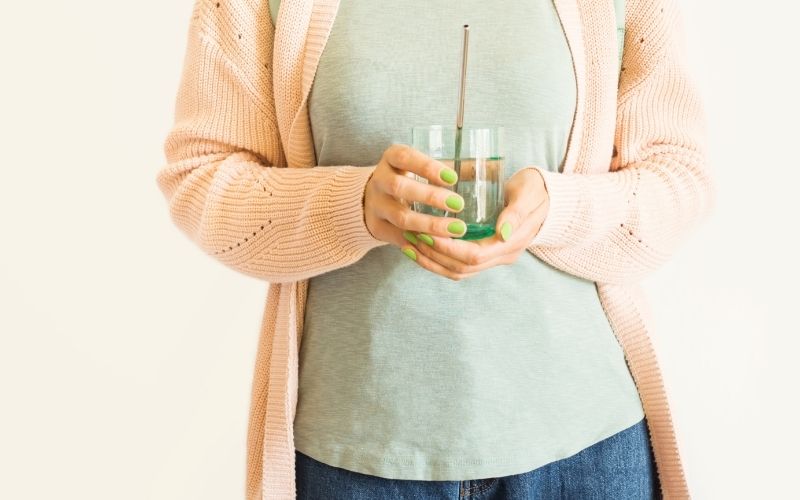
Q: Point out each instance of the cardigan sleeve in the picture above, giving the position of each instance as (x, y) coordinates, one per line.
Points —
(225, 179)
(620, 225)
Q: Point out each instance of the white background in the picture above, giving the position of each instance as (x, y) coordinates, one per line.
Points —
(126, 353)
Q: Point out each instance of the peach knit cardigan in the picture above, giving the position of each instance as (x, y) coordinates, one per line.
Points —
(635, 183)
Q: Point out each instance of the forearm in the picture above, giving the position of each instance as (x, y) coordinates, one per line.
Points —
(620, 225)
(273, 223)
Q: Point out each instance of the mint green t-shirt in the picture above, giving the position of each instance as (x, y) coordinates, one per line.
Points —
(406, 374)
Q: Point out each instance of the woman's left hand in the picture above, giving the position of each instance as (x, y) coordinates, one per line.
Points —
(526, 206)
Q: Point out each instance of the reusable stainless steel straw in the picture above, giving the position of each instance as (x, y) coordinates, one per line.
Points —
(460, 117)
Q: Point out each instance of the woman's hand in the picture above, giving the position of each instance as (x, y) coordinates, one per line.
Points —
(391, 189)
(527, 205)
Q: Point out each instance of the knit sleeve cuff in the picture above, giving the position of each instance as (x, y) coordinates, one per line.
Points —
(347, 210)
(564, 193)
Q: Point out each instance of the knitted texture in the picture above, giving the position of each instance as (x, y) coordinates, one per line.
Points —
(633, 186)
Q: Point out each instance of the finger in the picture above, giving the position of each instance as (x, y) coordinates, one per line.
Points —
(386, 231)
(487, 249)
(516, 212)
(404, 217)
(406, 158)
(460, 267)
(407, 189)
(414, 253)
(467, 251)
(509, 219)
(408, 244)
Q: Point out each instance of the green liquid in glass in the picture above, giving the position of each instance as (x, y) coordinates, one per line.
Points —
(477, 232)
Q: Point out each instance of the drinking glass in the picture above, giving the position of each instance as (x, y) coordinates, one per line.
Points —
(480, 175)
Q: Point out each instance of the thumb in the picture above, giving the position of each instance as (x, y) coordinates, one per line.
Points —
(509, 219)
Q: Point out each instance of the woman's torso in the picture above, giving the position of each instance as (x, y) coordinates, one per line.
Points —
(405, 373)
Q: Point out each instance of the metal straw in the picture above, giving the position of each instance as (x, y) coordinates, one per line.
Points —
(460, 117)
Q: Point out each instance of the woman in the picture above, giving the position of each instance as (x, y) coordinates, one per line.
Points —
(513, 367)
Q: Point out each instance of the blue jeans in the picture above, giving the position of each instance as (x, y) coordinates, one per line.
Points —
(620, 467)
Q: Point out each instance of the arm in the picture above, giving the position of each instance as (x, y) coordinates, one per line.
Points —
(618, 226)
(225, 180)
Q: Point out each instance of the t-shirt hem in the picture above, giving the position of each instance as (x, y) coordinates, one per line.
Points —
(350, 458)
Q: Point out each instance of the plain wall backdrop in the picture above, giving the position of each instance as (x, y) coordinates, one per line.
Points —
(126, 353)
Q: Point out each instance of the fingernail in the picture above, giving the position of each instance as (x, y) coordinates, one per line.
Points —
(457, 227)
(505, 230)
(448, 175)
(426, 239)
(455, 202)
(410, 253)
(410, 237)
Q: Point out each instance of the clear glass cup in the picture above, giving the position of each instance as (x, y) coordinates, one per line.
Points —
(480, 175)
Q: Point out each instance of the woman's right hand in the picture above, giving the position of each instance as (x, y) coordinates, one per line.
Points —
(392, 187)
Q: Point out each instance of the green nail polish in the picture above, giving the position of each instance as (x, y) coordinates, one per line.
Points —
(505, 231)
(457, 227)
(426, 239)
(410, 253)
(410, 237)
(448, 175)
(455, 202)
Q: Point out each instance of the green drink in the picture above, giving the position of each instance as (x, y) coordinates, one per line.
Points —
(480, 174)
